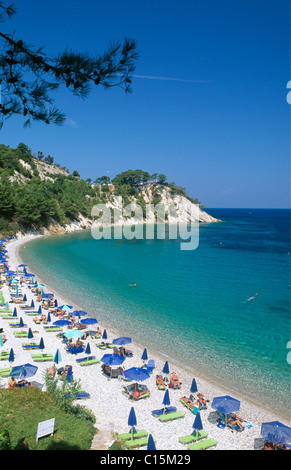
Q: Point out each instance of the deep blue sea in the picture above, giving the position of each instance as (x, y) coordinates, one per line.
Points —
(190, 305)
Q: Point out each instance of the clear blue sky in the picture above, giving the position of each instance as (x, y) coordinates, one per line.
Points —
(224, 134)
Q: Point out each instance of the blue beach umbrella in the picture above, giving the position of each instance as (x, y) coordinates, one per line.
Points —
(29, 335)
(136, 373)
(39, 310)
(41, 344)
(197, 425)
(79, 313)
(11, 355)
(56, 303)
(166, 400)
(88, 349)
(225, 404)
(104, 336)
(21, 324)
(166, 368)
(62, 323)
(57, 357)
(48, 318)
(15, 312)
(193, 388)
(25, 370)
(132, 421)
(151, 443)
(24, 298)
(89, 321)
(122, 340)
(112, 359)
(69, 375)
(32, 304)
(144, 356)
(276, 432)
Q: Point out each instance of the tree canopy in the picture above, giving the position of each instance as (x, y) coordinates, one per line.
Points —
(76, 71)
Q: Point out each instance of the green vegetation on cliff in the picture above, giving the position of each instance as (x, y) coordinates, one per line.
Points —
(34, 190)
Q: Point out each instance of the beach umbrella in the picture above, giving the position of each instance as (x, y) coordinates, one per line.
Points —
(56, 303)
(62, 323)
(41, 344)
(48, 318)
(122, 340)
(7, 306)
(15, 312)
(112, 359)
(132, 421)
(166, 400)
(104, 336)
(166, 368)
(197, 425)
(22, 265)
(25, 370)
(88, 349)
(21, 324)
(73, 334)
(144, 356)
(39, 309)
(24, 298)
(11, 355)
(29, 335)
(57, 357)
(151, 443)
(69, 375)
(89, 321)
(65, 307)
(79, 313)
(136, 373)
(276, 432)
(225, 404)
(1, 341)
(193, 388)
(32, 304)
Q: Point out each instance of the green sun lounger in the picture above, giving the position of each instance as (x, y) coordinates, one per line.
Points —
(5, 372)
(30, 345)
(171, 416)
(20, 334)
(134, 443)
(8, 316)
(52, 330)
(193, 437)
(203, 445)
(4, 356)
(136, 435)
(42, 357)
(89, 362)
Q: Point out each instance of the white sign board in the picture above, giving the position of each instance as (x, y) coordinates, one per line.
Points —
(45, 428)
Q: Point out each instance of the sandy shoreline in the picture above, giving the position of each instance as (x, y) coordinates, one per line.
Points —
(111, 407)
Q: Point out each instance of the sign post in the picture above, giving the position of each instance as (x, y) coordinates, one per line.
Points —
(45, 428)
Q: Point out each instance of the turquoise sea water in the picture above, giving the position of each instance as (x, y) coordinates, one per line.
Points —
(190, 305)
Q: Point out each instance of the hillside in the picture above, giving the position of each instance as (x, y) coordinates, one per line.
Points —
(37, 194)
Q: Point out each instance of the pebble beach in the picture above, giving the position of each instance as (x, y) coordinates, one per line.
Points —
(110, 406)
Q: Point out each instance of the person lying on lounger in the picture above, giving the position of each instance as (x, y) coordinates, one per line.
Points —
(160, 382)
(233, 420)
(174, 381)
(202, 402)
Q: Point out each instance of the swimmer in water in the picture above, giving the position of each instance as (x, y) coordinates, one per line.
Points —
(252, 297)
(132, 285)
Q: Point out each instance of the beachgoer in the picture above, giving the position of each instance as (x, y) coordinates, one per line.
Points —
(268, 446)
(12, 383)
(234, 420)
